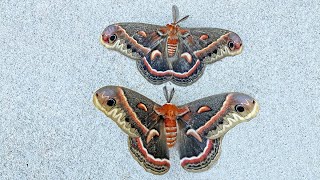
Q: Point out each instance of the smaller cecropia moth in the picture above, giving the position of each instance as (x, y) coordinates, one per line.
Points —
(197, 127)
(171, 53)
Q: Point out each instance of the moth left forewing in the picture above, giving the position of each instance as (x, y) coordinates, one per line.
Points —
(215, 43)
(151, 46)
(134, 40)
(131, 111)
(139, 110)
(145, 34)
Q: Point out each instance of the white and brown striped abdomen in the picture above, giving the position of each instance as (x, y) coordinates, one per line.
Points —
(171, 49)
(171, 131)
(172, 45)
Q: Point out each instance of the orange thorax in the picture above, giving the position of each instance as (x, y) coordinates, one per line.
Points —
(172, 30)
(170, 112)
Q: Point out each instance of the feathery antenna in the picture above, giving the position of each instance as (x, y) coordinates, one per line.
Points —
(175, 15)
(168, 94)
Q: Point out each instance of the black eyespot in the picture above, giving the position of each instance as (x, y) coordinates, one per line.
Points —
(214, 127)
(230, 44)
(113, 37)
(253, 102)
(215, 51)
(239, 108)
(111, 102)
(128, 46)
(220, 122)
(127, 119)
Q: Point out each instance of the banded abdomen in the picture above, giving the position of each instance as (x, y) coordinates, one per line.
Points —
(171, 131)
(172, 45)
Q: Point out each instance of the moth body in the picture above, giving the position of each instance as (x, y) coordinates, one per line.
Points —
(170, 112)
(171, 131)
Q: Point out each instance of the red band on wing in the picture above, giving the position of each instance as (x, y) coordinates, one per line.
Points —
(170, 72)
(199, 53)
(130, 111)
(197, 159)
(150, 158)
(214, 118)
(133, 41)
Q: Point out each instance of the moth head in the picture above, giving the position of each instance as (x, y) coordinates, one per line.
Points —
(234, 44)
(243, 105)
(110, 36)
(106, 98)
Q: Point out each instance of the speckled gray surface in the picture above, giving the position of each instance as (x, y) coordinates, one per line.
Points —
(52, 61)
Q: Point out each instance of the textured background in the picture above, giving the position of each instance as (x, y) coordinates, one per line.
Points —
(51, 63)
